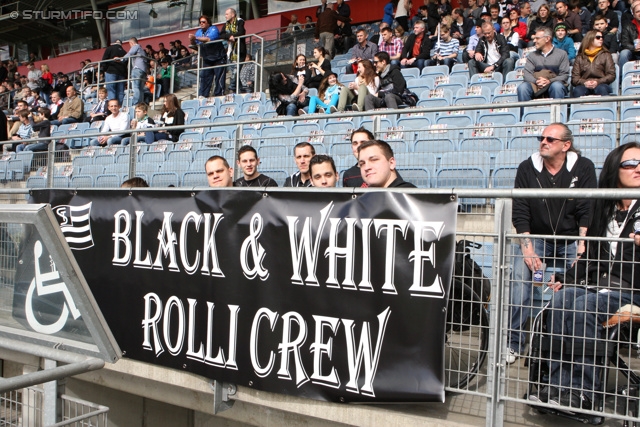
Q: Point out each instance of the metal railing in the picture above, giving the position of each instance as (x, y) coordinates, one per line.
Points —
(253, 46)
(24, 408)
(421, 152)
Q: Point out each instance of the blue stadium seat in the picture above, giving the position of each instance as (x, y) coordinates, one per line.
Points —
(194, 179)
(596, 155)
(274, 151)
(435, 98)
(420, 177)
(89, 169)
(164, 179)
(60, 181)
(176, 166)
(464, 97)
(305, 128)
(593, 110)
(156, 157)
(410, 73)
(412, 160)
(416, 121)
(542, 113)
(27, 158)
(462, 69)
(500, 115)
(593, 134)
(340, 149)
(81, 181)
(504, 177)
(435, 70)
(104, 159)
(457, 118)
(278, 175)
(108, 181)
(203, 154)
(36, 182)
(190, 103)
(435, 145)
(180, 155)
(190, 137)
(511, 158)
(80, 161)
(491, 82)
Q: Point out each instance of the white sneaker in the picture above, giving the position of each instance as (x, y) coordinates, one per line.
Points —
(333, 109)
(512, 355)
(354, 107)
(321, 110)
(301, 112)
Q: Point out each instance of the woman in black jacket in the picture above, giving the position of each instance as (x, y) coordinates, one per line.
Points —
(319, 69)
(602, 281)
(172, 115)
(543, 19)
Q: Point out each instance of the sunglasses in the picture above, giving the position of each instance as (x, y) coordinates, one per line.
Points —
(203, 22)
(550, 139)
(598, 37)
(630, 164)
(375, 62)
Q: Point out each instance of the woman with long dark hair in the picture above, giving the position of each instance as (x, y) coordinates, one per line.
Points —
(301, 68)
(286, 95)
(367, 81)
(322, 67)
(172, 115)
(602, 281)
(593, 69)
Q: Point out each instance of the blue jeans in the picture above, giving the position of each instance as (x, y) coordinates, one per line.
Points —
(315, 101)
(557, 90)
(574, 320)
(292, 109)
(581, 90)
(139, 79)
(115, 90)
(65, 121)
(148, 138)
(38, 146)
(476, 67)
(521, 295)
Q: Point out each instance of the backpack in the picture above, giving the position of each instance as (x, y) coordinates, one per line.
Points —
(410, 99)
(469, 272)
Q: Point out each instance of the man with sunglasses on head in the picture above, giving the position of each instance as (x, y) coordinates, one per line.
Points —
(212, 54)
(557, 164)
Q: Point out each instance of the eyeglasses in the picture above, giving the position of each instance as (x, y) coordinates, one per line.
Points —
(630, 164)
(598, 37)
(203, 22)
(550, 139)
(375, 62)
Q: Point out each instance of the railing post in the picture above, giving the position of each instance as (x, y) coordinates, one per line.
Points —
(237, 172)
(51, 162)
(555, 113)
(495, 366)
(133, 154)
(50, 397)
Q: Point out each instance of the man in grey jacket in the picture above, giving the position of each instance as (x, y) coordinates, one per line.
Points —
(546, 70)
(138, 69)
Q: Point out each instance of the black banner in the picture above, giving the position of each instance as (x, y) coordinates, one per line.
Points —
(315, 294)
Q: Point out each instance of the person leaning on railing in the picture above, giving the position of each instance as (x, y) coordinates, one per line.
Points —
(601, 282)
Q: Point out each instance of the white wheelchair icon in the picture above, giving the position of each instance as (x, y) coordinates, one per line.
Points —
(38, 285)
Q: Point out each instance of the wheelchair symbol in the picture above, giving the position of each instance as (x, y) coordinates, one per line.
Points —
(38, 285)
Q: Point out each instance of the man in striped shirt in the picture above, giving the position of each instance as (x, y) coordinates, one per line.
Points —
(446, 50)
(390, 44)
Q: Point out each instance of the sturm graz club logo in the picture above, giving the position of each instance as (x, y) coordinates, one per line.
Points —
(75, 223)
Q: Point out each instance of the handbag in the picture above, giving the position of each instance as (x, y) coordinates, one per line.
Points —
(409, 98)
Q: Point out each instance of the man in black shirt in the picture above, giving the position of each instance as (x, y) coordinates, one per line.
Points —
(248, 161)
(378, 166)
(557, 164)
(219, 173)
(352, 177)
(302, 154)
